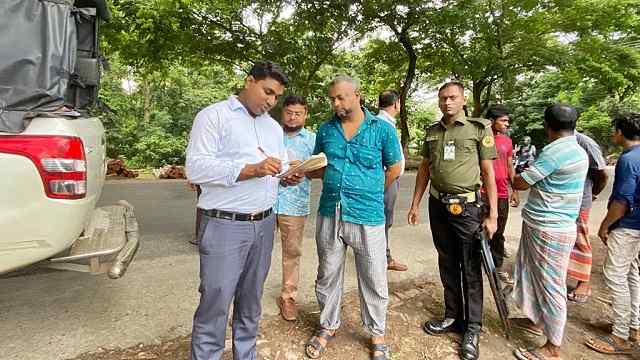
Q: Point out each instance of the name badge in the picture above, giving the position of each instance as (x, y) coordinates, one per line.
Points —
(450, 151)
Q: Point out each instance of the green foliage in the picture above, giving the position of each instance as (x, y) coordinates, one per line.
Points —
(420, 117)
(157, 146)
(185, 54)
(595, 123)
(149, 126)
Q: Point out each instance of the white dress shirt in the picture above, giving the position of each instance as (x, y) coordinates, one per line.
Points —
(391, 120)
(224, 138)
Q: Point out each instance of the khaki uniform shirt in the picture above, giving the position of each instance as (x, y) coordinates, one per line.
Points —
(466, 142)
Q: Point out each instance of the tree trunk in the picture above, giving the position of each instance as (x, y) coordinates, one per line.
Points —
(404, 91)
(146, 91)
(478, 87)
(487, 98)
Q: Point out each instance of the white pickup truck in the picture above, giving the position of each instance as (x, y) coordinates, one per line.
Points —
(53, 157)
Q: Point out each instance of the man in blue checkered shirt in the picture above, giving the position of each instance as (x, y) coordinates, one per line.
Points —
(292, 206)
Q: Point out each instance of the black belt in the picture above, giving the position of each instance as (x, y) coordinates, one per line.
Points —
(228, 215)
(470, 197)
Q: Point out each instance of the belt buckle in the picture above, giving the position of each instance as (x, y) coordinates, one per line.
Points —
(257, 216)
(226, 215)
(455, 204)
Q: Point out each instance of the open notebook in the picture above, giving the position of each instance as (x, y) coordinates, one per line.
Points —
(315, 162)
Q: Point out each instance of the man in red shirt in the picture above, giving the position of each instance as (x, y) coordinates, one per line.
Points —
(504, 172)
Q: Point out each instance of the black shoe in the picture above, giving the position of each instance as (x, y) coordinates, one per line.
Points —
(441, 327)
(471, 345)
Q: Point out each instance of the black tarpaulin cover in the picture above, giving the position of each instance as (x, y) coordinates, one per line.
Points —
(38, 45)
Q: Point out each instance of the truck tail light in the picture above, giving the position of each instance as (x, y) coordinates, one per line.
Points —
(60, 161)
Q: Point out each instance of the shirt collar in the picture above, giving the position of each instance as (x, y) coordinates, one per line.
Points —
(235, 103)
(387, 116)
(302, 133)
(631, 148)
(570, 138)
(368, 120)
(460, 119)
(368, 117)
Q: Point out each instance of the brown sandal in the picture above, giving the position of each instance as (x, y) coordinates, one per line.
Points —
(607, 345)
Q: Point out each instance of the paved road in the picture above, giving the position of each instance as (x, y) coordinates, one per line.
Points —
(56, 315)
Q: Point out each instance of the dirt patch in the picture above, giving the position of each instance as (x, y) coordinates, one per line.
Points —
(411, 303)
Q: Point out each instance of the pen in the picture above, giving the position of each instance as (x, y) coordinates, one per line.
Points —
(262, 151)
(267, 155)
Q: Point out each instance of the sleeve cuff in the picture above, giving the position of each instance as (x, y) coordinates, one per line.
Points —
(392, 163)
(234, 170)
(526, 177)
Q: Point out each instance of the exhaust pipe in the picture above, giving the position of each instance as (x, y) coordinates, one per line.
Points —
(125, 256)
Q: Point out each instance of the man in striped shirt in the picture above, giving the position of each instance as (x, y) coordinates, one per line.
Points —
(556, 180)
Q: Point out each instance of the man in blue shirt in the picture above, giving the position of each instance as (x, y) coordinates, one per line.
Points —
(620, 232)
(292, 207)
(358, 146)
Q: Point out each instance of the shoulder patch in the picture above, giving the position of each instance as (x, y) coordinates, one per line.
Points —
(488, 141)
(484, 123)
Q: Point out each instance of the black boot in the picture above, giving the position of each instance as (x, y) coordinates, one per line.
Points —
(441, 327)
(471, 345)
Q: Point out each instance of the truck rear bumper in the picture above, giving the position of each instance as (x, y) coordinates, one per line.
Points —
(109, 244)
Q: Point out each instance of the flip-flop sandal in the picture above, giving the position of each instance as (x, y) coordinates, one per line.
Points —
(600, 345)
(384, 349)
(529, 354)
(529, 330)
(579, 299)
(316, 345)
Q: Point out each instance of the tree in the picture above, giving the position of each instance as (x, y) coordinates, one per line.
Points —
(236, 33)
(488, 43)
(403, 19)
(527, 53)
(606, 49)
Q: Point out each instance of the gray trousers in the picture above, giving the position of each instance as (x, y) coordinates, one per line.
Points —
(235, 257)
(333, 236)
(622, 277)
(390, 196)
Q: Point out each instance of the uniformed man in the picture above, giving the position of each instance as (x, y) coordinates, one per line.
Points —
(457, 158)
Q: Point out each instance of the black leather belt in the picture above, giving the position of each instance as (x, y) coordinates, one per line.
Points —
(228, 215)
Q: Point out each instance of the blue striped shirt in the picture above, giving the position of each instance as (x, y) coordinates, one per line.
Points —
(557, 181)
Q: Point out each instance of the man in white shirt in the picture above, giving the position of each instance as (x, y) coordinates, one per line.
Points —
(235, 150)
(389, 104)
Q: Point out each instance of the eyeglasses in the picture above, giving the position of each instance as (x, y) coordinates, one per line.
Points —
(294, 113)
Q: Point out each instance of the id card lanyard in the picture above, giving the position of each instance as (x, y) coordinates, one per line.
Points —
(449, 151)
